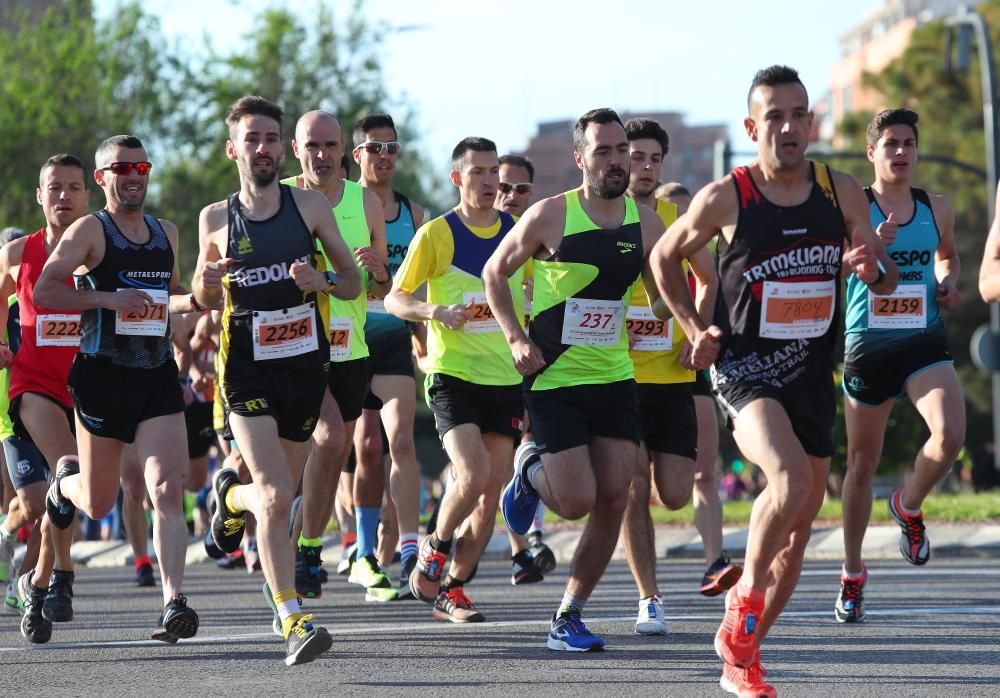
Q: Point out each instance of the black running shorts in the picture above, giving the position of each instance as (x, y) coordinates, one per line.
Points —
(291, 394)
(201, 434)
(702, 384)
(25, 463)
(390, 354)
(669, 423)
(872, 378)
(495, 409)
(21, 431)
(348, 382)
(564, 418)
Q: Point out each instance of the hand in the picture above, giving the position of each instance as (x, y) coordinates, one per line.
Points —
(860, 259)
(212, 272)
(705, 348)
(308, 278)
(887, 229)
(684, 357)
(633, 339)
(451, 316)
(188, 395)
(129, 300)
(947, 295)
(528, 358)
(6, 356)
(371, 263)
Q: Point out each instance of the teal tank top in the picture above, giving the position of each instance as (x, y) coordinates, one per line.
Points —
(398, 236)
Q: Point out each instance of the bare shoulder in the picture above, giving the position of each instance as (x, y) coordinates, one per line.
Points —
(168, 227)
(941, 206)
(309, 198)
(546, 212)
(214, 216)
(372, 202)
(844, 182)
(417, 211)
(12, 253)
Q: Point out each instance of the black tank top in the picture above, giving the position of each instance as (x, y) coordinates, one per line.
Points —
(126, 339)
(778, 302)
(259, 280)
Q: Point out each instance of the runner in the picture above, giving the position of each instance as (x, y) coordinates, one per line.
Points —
(124, 380)
(319, 146)
(989, 270)
(896, 346)
(589, 247)
(390, 366)
(260, 245)
(471, 386)
(784, 222)
(40, 405)
(666, 405)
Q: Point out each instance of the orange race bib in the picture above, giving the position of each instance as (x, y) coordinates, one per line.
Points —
(58, 330)
(797, 309)
(280, 334)
(150, 322)
(653, 334)
(906, 308)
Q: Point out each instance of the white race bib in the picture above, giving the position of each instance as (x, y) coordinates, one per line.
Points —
(376, 306)
(57, 330)
(797, 309)
(482, 319)
(653, 334)
(279, 334)
(594, 323)
(151, 322)
(341, 329)
(906, 308)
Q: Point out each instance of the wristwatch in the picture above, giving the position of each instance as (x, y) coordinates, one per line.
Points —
(331, 281)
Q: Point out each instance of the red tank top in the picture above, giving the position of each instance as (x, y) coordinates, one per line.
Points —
(50, 339)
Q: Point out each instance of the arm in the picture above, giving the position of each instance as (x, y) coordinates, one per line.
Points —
(947, 266)
(866, 258)
(10, 258)
(179, 300)
(318, 215)
(989, 270)
(652, 231)
(706, 283)
(373, 258)
(206, 285)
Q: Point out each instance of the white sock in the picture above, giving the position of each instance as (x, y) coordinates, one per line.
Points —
(852, 575)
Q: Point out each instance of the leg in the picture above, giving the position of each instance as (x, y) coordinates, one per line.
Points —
(707, 505)
(471, 469)
(865, 435)
(133, 483)
(937, 396)
(330, 448)
(95, 489)
(637, 529)
(398, 396)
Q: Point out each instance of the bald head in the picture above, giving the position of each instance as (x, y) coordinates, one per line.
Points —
(319, 147)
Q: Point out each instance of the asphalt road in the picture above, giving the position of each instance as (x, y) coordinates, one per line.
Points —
(930, 631)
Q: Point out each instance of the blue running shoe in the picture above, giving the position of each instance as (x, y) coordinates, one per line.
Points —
(569, 634)
(519, 499)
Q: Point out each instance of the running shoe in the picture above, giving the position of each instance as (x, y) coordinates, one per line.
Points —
(366, 572)
(913, 543)
(177, 621)
(651, 620)
(406, 568)
(250, 555)
(323, 576)
(849, 608)
(736, 639)
(720, 576)
(425, 580)
(211, 549)
(231, 561)
(227, 528)
(58, 604)
(524, 570)
(35, 627)
(545, 559)
(144, 574)
(61, 510)
(307, 564)
(519, 499)
(453, 605)
(569, 634)
(746, 683)
(347, 559)
(11, 601)
(305, 641)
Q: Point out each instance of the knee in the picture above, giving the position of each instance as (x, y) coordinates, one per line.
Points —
(370, 450)
(471, 480)
(576, 505)
(639, 489)
(97, 505)
(275, 501)
(401, 448)
(167, 494)
(798, 539)
(950, 438)
(861, 465)
(791, 490)
(33, 505)
(675, 498)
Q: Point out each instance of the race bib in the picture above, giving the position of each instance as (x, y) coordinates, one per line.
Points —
(594, 323)
(376, 305)
(904, 309)
(797, 309)
(150, 322)
(58, 330)
(341, 329)
(653, 334)
(279, 334)
(482, 319)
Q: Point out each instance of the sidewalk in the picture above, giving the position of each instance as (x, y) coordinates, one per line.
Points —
(882, 542)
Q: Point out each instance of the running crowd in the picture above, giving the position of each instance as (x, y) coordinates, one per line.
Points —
(594, 332)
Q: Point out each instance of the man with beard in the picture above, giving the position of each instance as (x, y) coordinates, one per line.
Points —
(472, 388)
(784, 223)
(319, 146)
(666, 405)
(589, 247)
(260, 245)
(41, 408)
(124, 381)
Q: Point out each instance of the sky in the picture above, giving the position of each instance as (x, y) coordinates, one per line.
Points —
(496, 69)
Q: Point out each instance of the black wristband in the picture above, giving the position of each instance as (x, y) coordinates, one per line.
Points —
(195, 305)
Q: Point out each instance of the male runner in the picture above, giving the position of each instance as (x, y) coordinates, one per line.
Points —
(589, 247)
(390, 364)
(784, 222)
(124, 380)
(989, 269)
(40, 407)
(319, 147)
(896, 346)
(260, 245)
(471, 386)
(666, 405)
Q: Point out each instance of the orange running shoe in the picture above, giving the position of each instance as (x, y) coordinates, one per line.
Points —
(736, 639)
(453, 605)
(746, 683)
(425, 579)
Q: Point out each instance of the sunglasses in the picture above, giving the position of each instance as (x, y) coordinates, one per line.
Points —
(375, 147)
(522, 188)
(123, 168)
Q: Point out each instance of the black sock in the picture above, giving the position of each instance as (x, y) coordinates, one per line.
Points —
(442, 546)
(450, 583)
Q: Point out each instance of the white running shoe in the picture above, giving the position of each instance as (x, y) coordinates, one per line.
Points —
(651, 620)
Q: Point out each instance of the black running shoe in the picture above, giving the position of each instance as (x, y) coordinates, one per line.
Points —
(177, 621)
(35, 627)
(58, 604)
(404, 578)
(545, 559)
(305, 641)
(227, 528)
(720, 576)
(849, 608)
(524, 570)
(144, 574)
(307, 566)
(913, 543)
(61, 510)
